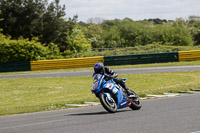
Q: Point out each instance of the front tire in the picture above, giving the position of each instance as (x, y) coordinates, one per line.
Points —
(136, 103)
(110, 106)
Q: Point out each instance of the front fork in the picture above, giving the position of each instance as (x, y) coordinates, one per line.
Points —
(108, 96)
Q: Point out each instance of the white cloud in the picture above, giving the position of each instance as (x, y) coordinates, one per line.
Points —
(135, 9)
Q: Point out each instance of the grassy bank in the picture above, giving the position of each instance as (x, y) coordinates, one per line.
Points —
(22, 95)
(150, 48)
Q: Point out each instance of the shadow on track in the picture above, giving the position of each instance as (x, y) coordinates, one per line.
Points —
(97, 113)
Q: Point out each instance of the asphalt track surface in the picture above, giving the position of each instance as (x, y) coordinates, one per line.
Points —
(119, 71)
(179, 114)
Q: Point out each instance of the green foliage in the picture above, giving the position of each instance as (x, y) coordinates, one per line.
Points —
(65, 38)
(129, 33)
(53, 52)
(194, 24)
(135, 33)
(20, 17)
(77, 43)
(53, 24)
(157, 21)
(21, 50)
(173, 35)
(94, 33)
(38, 18)
(24, 50)
(150, 48)
(111, 38)
(1, 35)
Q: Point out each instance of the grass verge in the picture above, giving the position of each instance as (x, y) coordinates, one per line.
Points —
(23, 95)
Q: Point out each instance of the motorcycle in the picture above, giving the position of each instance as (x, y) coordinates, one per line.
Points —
(111, 95)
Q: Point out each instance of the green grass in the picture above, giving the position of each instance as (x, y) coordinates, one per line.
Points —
(112, 67)
(189, 63)
(23, 95)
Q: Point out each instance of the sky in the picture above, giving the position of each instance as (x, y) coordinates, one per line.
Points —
(134, 9)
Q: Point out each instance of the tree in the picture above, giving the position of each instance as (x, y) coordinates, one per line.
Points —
(19, 16)
(0, 20)
(96, 20)
(94, 33)
(109, 23)
(193, 18)
(157, 21)
(173, 35)
(111, 37)
(34, 18)
(135, 33)
(66, 31)
(194, 23)
(77, 43)
(53, 23)
(1, 35)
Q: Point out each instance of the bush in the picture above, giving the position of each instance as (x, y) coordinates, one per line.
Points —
(173, 35)
(53, 52)
(25, 50)
(77, 43)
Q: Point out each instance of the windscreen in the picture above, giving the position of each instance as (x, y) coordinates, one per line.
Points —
(96, 77)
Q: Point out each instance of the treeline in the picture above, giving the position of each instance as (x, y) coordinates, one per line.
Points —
(39, 29)
(129, 33)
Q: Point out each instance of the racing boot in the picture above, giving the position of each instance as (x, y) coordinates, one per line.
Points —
(129, 92)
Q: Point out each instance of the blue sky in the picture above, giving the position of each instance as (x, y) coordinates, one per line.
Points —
(134, 9)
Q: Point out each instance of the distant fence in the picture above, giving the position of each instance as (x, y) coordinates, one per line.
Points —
(107, 60)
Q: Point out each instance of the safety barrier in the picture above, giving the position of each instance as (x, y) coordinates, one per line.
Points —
(65, 63)
(16, 66)
(141, 59)
(193, 55)
(107, 60)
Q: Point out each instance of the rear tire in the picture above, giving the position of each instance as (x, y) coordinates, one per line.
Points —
(136, 103)
(110, 106)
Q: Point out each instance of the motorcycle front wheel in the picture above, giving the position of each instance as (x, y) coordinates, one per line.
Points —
(109, 105)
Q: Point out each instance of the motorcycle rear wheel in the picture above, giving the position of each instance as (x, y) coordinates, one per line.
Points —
(136, 103)
(110, 106)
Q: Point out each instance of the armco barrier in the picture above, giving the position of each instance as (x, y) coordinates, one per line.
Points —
(65, 63)
(141, 59)
(15, 66)
(189, 55)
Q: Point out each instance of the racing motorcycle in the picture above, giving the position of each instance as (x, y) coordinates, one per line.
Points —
(111, 95)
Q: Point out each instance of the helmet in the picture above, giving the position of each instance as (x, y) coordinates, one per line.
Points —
(99, 68)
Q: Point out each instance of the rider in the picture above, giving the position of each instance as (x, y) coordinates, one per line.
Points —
(100, 69)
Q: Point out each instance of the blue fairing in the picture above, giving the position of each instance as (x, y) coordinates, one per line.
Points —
(124, 80)
(100, 83)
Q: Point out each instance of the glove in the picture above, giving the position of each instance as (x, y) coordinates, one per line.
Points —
(114, 75)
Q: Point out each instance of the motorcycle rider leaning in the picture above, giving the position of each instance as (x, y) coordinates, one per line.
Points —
(99, 68)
